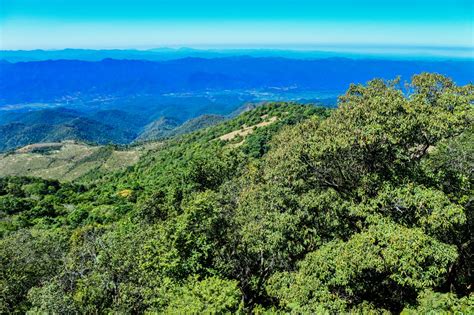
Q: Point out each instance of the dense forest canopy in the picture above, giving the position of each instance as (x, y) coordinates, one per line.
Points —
(368, 207)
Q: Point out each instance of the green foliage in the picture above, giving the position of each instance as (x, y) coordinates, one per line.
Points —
(430, 302)
(28, 258)
(211, 295)
(26, 202)
(381, 265)
(364, 209)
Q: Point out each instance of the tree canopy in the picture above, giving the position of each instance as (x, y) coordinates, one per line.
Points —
(365, 208)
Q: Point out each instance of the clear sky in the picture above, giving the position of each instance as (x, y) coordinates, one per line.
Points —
(55, 24)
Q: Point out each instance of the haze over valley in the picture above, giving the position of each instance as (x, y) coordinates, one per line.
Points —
(125, 101)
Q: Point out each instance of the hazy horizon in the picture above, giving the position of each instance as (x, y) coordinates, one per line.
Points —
(143, 24)
(304, 51)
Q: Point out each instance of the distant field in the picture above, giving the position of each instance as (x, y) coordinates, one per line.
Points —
(68, 161)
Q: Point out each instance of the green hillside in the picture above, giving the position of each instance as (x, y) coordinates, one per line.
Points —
(14, 135)
(158, 129)
(167, 127)
(67, 161)
(286, 208)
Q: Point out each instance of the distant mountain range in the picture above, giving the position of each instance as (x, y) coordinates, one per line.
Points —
(124, 101)
(48, 81)
(160, 54)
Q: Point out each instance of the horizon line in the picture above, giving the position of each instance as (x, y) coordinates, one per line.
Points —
(308, 47)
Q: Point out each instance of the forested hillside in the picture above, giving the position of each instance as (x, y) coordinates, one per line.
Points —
(104, 127)
(285, 208)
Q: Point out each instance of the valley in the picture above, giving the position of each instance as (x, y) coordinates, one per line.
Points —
(121, 101)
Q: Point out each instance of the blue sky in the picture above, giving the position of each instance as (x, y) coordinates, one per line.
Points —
(55, 24)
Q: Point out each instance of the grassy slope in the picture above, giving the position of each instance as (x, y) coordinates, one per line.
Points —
(68, 161)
